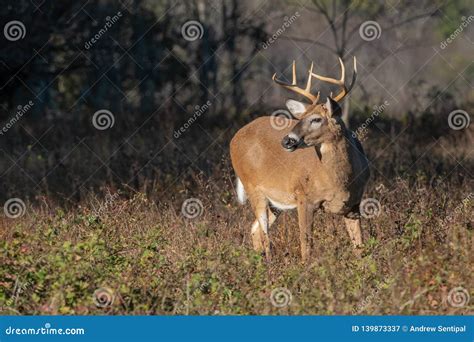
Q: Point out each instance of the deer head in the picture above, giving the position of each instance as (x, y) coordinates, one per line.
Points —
(318, 122)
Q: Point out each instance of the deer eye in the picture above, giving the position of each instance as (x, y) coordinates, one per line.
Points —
(316, 120)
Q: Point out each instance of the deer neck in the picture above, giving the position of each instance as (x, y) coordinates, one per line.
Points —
(335, 159)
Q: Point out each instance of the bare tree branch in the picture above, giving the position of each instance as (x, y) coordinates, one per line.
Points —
(311, 41)
(323, 10)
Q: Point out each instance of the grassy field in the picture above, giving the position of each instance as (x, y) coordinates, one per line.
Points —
(122, 251)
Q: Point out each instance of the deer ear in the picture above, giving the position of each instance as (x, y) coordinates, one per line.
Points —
(296, 108)
(333, 108)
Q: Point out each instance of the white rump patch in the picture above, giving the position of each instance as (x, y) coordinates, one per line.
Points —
(241, 195)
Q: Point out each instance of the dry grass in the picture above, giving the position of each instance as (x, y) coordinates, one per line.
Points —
(142, 252)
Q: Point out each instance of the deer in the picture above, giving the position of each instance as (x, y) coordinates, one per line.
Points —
(313, 162)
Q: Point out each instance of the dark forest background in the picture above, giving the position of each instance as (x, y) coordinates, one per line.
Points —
(152, 79)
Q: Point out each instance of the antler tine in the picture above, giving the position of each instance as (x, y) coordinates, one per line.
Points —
(317, 98)
(333, 80)
(341, 82)
(308, 84)
(346, 90)
(294, 73)
(354, 75)
(343, 70)
(293, 87)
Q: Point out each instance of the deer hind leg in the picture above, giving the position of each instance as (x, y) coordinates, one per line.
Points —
(305, 222)
(260, 239)
(265, 218)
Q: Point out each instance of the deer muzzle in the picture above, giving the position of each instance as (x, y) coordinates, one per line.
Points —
(290, 142)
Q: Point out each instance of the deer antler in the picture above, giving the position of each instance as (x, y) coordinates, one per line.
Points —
(307, 91)
(293, 87)
(341, 81)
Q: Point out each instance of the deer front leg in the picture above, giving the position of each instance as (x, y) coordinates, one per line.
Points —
(355, 234)
(305, 221)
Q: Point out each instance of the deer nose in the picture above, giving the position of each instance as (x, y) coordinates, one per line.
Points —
(289, 142)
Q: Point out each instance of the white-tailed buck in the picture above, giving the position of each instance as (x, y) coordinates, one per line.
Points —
(311, 162)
